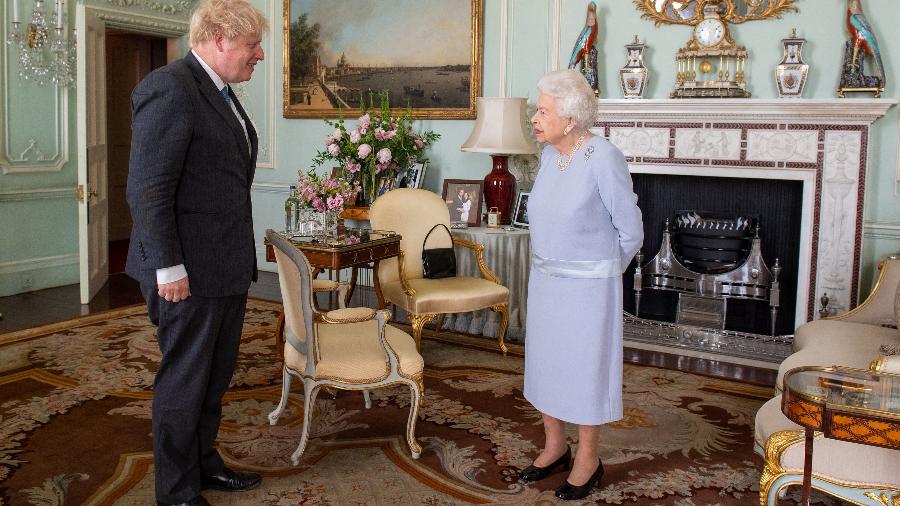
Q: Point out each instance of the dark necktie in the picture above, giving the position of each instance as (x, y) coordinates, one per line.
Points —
(225, 94)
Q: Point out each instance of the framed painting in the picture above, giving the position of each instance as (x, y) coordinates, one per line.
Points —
(463, 198)
(427, 54)
(520, 216)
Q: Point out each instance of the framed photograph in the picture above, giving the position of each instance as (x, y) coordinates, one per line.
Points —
(520, 216)
(463, 198)
(426, 53)
(412, 178)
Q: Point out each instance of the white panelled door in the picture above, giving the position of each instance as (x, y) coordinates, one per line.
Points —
(93, 204)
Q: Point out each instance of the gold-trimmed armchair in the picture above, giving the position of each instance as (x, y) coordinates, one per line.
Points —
(346, 349)
(399, 281)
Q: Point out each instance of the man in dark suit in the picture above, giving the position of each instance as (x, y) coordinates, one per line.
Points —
(193, 155)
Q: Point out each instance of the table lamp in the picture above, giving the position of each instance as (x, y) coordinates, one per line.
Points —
(500, 131)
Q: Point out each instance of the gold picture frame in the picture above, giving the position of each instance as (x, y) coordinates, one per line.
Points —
(422, 65)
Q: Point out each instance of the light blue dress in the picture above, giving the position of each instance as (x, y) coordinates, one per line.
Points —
(585, 229)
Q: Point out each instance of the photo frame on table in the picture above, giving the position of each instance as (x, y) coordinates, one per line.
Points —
(520, 216)
(412, 178)
(463, 198)
(334, 54)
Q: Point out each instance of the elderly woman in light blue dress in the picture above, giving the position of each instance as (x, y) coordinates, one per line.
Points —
(585, 229)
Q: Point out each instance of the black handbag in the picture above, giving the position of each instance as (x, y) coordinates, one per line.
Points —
(438, 262)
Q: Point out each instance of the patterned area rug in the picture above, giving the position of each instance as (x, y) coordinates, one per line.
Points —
(75, 427)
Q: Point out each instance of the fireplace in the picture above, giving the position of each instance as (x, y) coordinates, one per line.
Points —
(799, 165)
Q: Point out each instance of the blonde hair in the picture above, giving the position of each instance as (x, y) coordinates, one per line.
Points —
(574, 97)
(228, 17)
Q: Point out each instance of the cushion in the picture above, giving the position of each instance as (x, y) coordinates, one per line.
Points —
(352, 352)
(839, 333)
(459, 294)
(837, 460)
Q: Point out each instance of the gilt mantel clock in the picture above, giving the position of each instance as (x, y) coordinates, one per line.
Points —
(711, 64)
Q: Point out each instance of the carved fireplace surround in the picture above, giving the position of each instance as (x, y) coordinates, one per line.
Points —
(821, 142)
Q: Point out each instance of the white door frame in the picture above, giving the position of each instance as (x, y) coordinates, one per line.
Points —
(93, 220)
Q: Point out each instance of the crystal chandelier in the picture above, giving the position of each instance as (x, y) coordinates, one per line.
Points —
(45, 56)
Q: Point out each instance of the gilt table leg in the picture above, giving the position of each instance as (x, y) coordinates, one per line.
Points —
(807, 467)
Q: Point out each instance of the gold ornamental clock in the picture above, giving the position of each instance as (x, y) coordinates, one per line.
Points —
(711, 64)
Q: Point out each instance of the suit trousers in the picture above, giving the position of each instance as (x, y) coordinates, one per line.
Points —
(199, 338)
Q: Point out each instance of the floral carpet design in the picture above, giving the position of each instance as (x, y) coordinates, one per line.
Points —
(75, 427)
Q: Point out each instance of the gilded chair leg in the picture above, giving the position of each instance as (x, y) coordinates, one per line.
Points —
(285, 390)
(417, 394)
(418, 321)
(503, 309)
(440, 322)
(310, 391)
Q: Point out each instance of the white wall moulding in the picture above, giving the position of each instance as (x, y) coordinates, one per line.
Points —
(141, 23)
(821, 142)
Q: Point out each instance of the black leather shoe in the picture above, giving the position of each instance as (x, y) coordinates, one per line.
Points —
(197, 501)
(231, 481)
(569, 492)
(535, 473)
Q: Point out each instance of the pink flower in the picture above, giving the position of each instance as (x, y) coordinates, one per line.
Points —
(384, 155)
(329, 140)
(379, 167)
(334, 149)
(419, 143)
(317, 204)
(337, 134)
(335, 203)
(364, 151)
(355, 136)
(364, 121)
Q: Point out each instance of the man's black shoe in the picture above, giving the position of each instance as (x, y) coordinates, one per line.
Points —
(197, 501)
(232, 481)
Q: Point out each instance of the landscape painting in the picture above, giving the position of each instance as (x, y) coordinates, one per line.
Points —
(425, 53)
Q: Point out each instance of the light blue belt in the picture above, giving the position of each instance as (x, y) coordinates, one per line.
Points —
(582, 269)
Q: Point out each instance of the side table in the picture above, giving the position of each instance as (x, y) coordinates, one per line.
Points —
(845, 404)
(508, 255)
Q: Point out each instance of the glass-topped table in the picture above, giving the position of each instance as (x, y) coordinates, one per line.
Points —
(352, 247)
(847, 404)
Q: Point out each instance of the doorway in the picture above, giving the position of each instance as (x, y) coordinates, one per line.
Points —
(130, 57)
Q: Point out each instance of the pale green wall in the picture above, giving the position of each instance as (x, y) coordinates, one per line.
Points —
(530, 26)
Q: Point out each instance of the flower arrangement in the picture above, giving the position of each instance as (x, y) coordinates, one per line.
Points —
(379, 147)
(323, 194)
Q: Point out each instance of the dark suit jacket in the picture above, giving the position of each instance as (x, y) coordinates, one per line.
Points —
(189, 182)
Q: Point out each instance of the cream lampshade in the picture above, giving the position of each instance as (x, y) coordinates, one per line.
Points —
(500, 131)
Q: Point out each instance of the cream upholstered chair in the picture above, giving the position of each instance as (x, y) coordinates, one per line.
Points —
(348, 349)
(399, 281)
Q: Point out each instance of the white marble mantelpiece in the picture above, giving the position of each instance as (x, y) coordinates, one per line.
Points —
(821, 142)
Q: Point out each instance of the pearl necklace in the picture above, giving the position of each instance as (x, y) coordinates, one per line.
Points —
(563, 161)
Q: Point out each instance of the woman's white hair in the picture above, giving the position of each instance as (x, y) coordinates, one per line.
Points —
(574, 97)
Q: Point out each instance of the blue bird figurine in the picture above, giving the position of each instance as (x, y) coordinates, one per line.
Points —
(862, 36)
(586, 38)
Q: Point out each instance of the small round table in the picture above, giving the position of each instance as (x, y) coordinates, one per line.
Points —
(847, 404)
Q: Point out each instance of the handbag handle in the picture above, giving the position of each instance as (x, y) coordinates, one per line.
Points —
(432, 230)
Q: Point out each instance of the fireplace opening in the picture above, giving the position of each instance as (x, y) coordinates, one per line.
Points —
(774, 205)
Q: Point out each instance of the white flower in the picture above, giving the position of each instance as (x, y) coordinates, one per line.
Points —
(364, 151)
(384, 155)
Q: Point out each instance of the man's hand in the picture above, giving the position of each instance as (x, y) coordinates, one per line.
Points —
(176, 291)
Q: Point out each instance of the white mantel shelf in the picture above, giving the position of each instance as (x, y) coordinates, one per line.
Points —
(794, 110)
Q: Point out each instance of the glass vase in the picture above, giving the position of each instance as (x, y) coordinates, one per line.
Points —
(326, 227)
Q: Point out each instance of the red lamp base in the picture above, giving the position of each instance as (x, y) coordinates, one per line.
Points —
(500, 189)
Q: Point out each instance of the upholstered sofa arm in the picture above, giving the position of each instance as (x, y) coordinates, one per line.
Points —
(887, 363)
(327, 285)
(478, 248)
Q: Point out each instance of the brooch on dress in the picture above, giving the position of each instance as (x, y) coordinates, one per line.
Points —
(588, 152)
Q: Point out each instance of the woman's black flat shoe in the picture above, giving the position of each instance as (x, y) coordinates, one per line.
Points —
(569, 492)
(535, 473)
